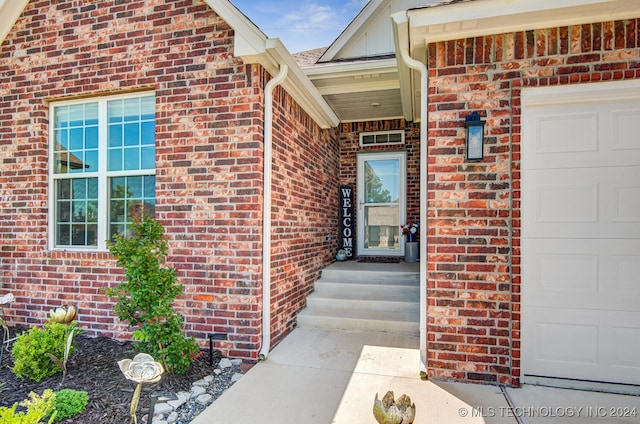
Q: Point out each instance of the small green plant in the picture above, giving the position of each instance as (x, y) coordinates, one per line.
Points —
(70, 403)
(38, 408)
(145, 297)
(33, 349)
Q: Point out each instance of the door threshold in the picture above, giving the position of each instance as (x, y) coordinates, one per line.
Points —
(585, 385)
(380, 259)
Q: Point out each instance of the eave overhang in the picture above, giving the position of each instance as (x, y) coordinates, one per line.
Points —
(485, 17)
(416, 28)
(253, 47)
(10, 11)
(354, 76)
(363, 89)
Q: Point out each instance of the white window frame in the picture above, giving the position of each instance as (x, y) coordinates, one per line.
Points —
(102, 174)
(375, 134)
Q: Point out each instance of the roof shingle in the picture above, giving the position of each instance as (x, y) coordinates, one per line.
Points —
(309, 58)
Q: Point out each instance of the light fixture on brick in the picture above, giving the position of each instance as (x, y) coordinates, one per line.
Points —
(474, 141)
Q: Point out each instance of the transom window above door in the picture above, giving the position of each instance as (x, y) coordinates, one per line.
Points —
(102, 168)
(381, 138)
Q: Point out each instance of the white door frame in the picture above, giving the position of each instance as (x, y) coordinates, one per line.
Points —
(401, 156)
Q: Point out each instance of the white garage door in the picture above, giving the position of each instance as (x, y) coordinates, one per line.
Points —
(581, 232)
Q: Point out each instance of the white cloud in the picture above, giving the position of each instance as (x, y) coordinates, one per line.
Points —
(301, 25)
(311, 17)
(356, 4)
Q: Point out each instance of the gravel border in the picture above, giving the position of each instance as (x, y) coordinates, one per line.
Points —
(202, 394)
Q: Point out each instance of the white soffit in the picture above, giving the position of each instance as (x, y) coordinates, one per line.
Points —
(300, 86)
(10, 11)
(360, 76)
(486, 17)
(253, 46)
(351, 67)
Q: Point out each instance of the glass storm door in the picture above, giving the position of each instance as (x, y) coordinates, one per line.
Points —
(381, 203)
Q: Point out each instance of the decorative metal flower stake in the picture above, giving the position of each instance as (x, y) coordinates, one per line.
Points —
(142, 369)
(390, 411)
(5, 300)
(63, 314)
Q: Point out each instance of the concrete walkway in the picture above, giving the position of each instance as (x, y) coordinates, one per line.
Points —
(322, 376)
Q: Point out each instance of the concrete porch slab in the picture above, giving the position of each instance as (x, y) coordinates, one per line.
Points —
(331, 377)
(324, 376)
(435, 402)
(335, 349)
(273, 393)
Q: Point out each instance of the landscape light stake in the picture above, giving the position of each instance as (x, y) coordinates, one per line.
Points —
(212, 337)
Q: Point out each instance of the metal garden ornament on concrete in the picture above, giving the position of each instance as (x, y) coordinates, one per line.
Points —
(142, 369)
(391, 411)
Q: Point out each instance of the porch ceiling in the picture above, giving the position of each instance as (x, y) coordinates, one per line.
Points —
(359, 90)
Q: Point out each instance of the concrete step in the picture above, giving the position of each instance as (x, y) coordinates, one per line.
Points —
(354, 319)
(364, 299)
(375, 290)
(363, 302)
(363, 275)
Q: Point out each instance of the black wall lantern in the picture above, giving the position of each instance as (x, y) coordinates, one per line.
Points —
(475, 137)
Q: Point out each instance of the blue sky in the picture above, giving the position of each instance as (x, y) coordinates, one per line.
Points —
(301, 24)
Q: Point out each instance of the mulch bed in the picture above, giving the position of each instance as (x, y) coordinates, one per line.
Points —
(94, 369)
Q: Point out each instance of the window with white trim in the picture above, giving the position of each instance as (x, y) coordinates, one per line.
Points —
(102, 167)
(381, 138)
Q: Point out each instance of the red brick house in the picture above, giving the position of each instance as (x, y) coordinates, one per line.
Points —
(156, 102)
(529, 256)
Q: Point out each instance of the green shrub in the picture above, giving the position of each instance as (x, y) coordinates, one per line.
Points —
(145, 297)
(33, 349)
(37, 408)
(70, 403)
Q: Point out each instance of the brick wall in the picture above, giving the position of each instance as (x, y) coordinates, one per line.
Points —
(350, 147)
(474, 208)
(208, 161)
(304, 210)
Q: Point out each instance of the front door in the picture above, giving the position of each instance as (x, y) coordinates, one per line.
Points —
(381, 203)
